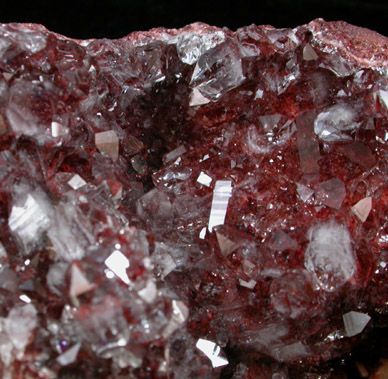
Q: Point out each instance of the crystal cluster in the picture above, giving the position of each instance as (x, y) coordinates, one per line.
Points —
(194, 203)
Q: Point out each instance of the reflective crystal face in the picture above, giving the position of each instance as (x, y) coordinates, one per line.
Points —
(194, 203)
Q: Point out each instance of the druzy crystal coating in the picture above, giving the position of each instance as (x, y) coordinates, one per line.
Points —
(194, 203)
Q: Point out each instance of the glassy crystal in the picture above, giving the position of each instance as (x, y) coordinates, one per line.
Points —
(221, 194)
(355, 322)
(329, 255)
(108, 143)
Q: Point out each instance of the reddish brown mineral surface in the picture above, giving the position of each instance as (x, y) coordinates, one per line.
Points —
(194, 203)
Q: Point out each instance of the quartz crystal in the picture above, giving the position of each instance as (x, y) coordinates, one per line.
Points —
(194, 203)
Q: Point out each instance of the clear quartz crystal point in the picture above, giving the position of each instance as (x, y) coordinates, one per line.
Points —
(108, 144)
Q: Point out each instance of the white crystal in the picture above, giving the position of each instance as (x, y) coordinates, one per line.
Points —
(259, 94)
(212, 351)
(329, 255)
(69, 356)
(384, 97)
(355, 322)
(202, 233)
(172, 155)
(221, 194)
(251, 284)
(3, 252)
(29, 220)
(108, 143)
(118, 263)
(79, 284)
(20, 323)
(197, 98)
(25, 298)
(76, 182)
(363, 208)
(330, 124)
(308, 53)
(304, 192)
(204, 179)
(149, 292)
(57, 129)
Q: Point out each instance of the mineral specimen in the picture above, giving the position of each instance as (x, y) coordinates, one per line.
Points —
(194, 203)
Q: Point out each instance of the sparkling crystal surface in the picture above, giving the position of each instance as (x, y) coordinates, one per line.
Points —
(194, 203)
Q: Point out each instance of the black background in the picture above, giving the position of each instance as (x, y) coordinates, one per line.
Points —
(116, 18)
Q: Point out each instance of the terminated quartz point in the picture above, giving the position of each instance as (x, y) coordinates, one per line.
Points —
(194, 203)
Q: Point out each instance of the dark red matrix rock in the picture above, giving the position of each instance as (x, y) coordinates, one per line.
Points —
(194, 203)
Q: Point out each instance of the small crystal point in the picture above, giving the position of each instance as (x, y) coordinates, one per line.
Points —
(309, 53)
(69, 356)
(197, 98)
(227, 246)
(108, 144)
(355, 322)
(76, 182)
(363, 208)
(79, 284)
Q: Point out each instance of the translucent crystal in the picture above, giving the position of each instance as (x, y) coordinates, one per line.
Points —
(227, 246)
(3, 252)
(221, 194)
(212, 351)
(191, 46)
(332, 124)
(70, 232)
(228, 75)
(355, 322)
(304, 192)
(108, 143)
(76, 182)
(69, 356)
(329, 255)
(180, 312)
(331, 193)
(174, 154)
(308, 53)
(149, 292)
(29, 219)
(197, 98)
(308, 147)
(363, 208)
(79, 284)
(19, 325)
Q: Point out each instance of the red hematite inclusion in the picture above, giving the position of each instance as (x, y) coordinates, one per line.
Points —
(194, 203)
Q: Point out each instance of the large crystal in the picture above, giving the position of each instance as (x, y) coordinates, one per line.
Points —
(194, 203)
